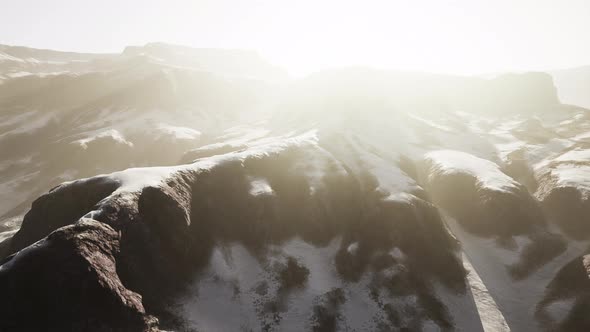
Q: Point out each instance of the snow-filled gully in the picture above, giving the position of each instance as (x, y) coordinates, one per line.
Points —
(490, 315)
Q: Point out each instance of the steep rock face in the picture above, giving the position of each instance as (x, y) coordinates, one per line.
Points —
(62, 206)
(68, 282)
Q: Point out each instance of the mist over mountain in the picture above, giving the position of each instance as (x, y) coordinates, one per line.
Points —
(173, 188)
(574, 84)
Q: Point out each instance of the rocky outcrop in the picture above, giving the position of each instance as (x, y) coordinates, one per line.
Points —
(62, 206)
(564, 191)
(68, 282)
(479, 195)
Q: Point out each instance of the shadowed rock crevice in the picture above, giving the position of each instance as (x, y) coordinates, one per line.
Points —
(159, 244)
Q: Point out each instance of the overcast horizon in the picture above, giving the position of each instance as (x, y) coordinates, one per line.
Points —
(456, 37)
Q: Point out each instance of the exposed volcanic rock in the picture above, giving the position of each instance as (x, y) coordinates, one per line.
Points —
(564, 191)
(62, 206)
(482, 198)
(156, 239)
(68, 282)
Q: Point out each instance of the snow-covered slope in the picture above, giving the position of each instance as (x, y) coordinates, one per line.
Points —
(204, 190)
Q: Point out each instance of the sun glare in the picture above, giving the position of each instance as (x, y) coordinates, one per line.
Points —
(453, 36)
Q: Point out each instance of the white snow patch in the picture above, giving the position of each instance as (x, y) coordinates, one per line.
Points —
(535, 154)
(392, 183)
(491, 317)
(582, 136)
(110, 133)
(430, 123)
(134, 179)
(397, 254)
(504, 149)
(18, 74)
(353, 248)
(5, 235)
(224, 298)
(260, 186)
(488, 174)
(575, 155)
(179, 133)
(5, 57)
(571, 169)
(573, 176)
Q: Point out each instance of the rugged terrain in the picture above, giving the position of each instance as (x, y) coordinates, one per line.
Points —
(205, 190)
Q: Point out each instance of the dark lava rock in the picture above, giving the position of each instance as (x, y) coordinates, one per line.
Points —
(68, 282)
(327, 312)
(567, 208)
(62, 206)
(293, 274)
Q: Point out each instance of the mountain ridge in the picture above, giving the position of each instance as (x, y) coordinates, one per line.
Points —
(353, 199)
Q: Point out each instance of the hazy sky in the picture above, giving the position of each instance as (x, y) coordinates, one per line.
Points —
(453, 36)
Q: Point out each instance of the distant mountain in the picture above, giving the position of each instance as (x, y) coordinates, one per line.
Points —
(172, 188)
(221, 61)
(19, 61)
(573, 85)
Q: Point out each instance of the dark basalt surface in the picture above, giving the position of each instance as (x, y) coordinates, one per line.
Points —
(62, 206)
(68, 282)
